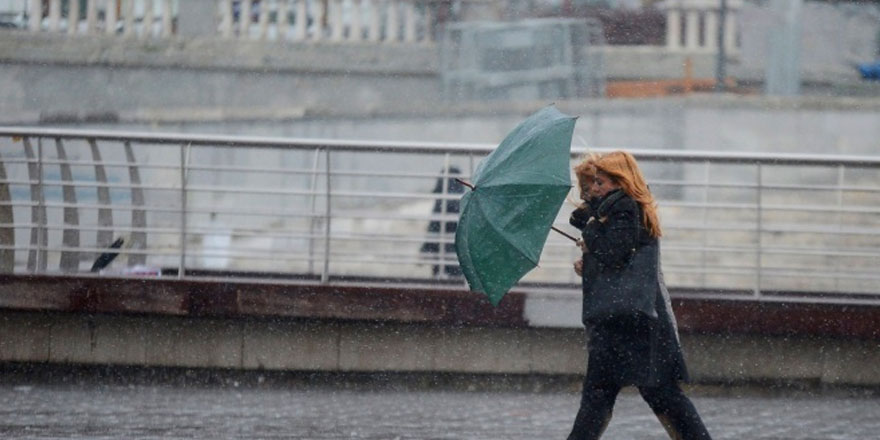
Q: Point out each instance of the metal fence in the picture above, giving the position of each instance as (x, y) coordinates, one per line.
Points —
(739, 226)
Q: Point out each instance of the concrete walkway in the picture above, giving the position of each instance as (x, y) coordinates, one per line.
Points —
(261, 412)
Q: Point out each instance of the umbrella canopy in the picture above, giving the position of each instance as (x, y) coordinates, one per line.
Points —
(517, 192)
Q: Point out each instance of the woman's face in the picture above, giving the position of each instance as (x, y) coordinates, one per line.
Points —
(587, 188)
(602, 185)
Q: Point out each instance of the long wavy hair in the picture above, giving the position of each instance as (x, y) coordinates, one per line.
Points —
(623, 170)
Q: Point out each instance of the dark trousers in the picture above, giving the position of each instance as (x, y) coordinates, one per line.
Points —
(672, 407)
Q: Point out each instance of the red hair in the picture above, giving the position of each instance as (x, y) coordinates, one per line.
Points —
(622, 168)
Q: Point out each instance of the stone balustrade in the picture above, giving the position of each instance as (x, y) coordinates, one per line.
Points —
(373, 21)
(691, 25)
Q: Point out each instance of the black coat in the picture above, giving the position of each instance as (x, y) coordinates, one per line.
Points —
(629, 350)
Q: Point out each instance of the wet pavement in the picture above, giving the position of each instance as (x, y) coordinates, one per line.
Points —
(59, 411)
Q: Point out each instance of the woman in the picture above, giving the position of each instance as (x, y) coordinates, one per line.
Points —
(635, 348)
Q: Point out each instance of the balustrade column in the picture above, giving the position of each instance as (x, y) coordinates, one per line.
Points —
(710, 30)
(409, 34)
(392, 29)
(373, 33)
(167, 17)
(54, 15)
(355, 33)
(302, 22)
(244, 18)
(35, 15)
(225, 18)
(110, 17)
(127, 18)
(673, 29)
(282, 22)
(336, 26)
(318, 19)
(730, 32)
(692, 29)
(263, 21)
(427, 38)
(147, 23)
(91, 16)
(683, 17)
(73, 17)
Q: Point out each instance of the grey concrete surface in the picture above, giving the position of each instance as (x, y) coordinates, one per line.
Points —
(94, 411)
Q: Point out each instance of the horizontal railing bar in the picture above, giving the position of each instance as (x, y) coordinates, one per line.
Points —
(248, 141)
(269, 170)
(88, 163)
(697, 185)
(90, 184)
(429, 147)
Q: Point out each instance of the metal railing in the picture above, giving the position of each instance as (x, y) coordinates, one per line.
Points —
(736, 225)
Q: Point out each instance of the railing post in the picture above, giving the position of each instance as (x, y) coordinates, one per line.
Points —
(325, 273)
(441, 241)
(841, 176)
(42, 237)
(313, 212)
(759, 226)
(181, 268)
(703, 221)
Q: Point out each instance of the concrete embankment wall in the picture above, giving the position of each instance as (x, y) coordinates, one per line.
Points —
(309, 327)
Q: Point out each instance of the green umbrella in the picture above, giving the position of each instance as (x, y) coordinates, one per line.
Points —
(515, 195)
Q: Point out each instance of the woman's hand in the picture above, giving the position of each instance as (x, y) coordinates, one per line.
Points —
(580, 243)
(579, 267)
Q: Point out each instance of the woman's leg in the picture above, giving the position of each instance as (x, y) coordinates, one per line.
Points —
(675, 411)
(597, 403)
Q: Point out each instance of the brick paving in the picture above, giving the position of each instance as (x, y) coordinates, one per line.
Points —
(89, 411)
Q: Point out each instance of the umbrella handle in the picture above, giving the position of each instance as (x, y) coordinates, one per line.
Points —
(564, 234)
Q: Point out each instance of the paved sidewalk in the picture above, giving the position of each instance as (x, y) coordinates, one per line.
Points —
(167, 412)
